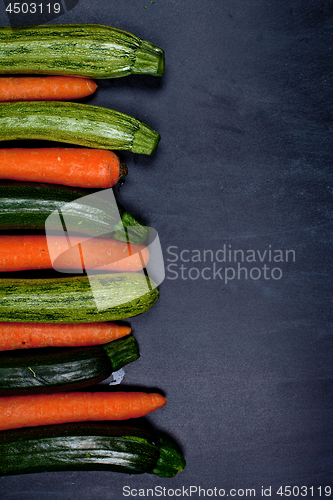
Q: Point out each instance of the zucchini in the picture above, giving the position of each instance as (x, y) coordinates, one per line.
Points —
(88, 50)
(76, 299)
(170, 461)
(25, 206)
(75, 123)
(63, 368)
(101, 446)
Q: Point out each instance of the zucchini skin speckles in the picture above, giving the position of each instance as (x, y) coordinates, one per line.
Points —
(87, 50)
(76, 123)
(74, 299)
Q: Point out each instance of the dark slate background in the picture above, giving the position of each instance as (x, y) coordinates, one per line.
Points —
(245, 114)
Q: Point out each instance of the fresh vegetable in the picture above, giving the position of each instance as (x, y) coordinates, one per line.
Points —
(88, 50)
(105, 446)
(49, 88)
(36, 335)
(32, 252)
(63, 368)
(77, 167)
(26, 206)
(60, 408)
(76, 123)
(76, 299)
(171, 460)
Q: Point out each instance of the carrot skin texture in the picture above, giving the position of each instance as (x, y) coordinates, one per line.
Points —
(35, 335)
(49, 88)
(31, 252)
(85, 168)
(60, 408)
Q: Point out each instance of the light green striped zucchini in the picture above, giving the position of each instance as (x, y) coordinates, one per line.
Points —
(76, 299)
(87, 50)
(75, 123)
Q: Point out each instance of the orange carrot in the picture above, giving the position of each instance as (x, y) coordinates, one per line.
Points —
(32, 335)
(60, 408)
(86, 168)
(48, 88)
(32, 252)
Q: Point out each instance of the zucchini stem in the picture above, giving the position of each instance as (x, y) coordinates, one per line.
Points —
(122, 352)
(149, 60)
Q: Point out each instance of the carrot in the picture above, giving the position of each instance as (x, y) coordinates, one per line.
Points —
(48, 88)
(33, 252)
(33, 335)
(86, 168)
(60, 408)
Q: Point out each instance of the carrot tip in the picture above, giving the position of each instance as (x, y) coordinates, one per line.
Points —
(159, 400)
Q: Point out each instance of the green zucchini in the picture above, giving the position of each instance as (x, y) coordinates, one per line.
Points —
(26, 206)
(101, 446)
(171, 460)
(76, 299)
(63, 368)
(75, 123)
(87, 50)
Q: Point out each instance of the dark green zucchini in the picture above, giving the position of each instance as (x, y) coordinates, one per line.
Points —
(170, 461)
(63, 368)
(25, 206)
(76, 299)
(101, 446)
(88, 50)
(75, 123)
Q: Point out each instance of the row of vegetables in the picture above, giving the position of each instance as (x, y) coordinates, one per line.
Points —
(55, 344)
